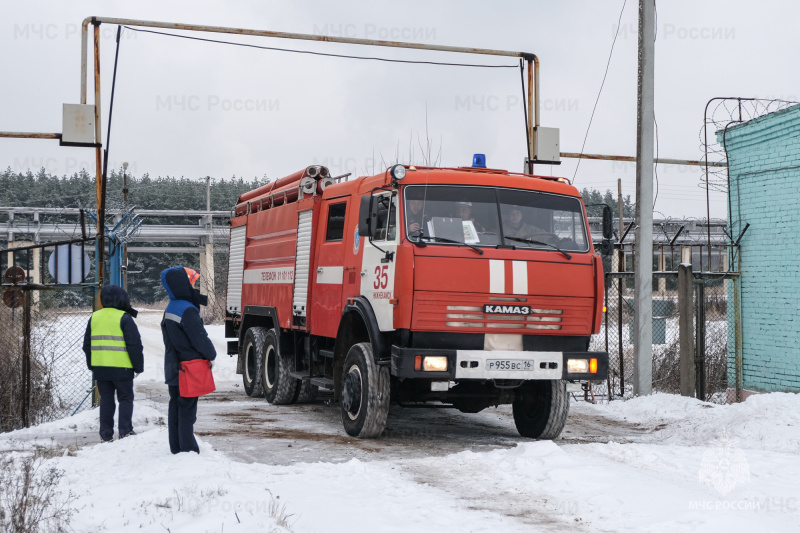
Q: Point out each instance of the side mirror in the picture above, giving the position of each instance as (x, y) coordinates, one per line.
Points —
(367, 215)
(608, 229)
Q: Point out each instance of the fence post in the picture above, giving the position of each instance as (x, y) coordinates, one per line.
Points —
(686, 335)
(26, 357)
(737, 339)
(620, 288)
(700, 339)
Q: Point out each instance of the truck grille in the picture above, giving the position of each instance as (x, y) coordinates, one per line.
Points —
(533, 321)
(563, 316)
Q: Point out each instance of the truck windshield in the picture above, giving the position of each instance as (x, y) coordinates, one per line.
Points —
(492, 216)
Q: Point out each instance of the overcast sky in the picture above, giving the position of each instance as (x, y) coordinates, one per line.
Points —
(191, 109)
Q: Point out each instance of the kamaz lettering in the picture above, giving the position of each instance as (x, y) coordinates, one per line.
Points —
(507, 309)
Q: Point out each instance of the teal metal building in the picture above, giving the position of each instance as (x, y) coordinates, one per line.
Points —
(764, 186)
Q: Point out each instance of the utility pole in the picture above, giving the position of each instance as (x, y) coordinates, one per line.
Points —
(643, 263)
(207, 257)
(125, 245)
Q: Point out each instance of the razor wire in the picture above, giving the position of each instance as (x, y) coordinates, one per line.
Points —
(720, 114)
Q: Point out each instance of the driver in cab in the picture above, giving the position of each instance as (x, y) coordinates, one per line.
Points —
(414, 218)
(515, 225)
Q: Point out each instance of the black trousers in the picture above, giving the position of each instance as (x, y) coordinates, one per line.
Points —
(124, 390)
(181, 419)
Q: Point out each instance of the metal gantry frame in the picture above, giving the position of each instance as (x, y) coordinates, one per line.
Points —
(531, 59)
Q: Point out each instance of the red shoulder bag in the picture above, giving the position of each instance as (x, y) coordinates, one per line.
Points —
(195, 378)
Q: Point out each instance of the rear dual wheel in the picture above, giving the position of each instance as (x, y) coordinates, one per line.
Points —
(364, 393)
(253, 361)
(280, 387)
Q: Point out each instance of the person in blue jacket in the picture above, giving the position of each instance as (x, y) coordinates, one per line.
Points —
(185, 339)
(113, 351)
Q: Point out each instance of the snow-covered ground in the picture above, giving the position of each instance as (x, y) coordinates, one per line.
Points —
(661, 463)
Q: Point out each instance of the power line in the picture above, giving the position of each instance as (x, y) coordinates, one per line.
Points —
(610, 54)
(310, 52)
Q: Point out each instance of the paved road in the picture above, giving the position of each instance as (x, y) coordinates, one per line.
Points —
(252, 430)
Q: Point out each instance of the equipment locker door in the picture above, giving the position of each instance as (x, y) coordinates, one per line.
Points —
(377, 270)
(326, 306)
(301, 267)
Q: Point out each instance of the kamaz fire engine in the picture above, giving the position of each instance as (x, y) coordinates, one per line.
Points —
(469, 287)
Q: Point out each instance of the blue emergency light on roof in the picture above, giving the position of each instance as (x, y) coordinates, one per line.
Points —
(479, 160)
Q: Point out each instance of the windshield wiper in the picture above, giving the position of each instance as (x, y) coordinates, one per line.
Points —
(451, 241)
(531, 241)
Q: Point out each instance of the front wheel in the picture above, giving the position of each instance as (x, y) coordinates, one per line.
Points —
(540, 410)
(279, 386)
(365, 393)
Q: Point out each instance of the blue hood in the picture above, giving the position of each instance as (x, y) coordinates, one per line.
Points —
(176, 283)
(116, 297)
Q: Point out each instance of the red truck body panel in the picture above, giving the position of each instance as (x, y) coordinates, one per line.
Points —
(435, 288)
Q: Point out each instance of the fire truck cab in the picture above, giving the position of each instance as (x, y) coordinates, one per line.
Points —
(471, 287)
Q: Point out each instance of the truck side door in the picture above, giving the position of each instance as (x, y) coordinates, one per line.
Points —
(378, 271)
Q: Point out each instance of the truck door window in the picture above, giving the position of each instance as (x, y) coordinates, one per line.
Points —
(387, 217)
(336, 213)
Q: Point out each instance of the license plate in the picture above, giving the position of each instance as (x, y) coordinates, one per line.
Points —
(509, 364)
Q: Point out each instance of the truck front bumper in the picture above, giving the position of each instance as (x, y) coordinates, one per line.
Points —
(497, 364)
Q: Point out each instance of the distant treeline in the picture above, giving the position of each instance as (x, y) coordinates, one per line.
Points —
(592, 197)
(19, 189)
(41, 189)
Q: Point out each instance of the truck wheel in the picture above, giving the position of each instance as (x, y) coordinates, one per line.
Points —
(306, 392)
(541, 411)
(364, 394)
(253, 360)
(279, 386)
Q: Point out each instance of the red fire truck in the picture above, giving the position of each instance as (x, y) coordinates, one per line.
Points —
(469, 287)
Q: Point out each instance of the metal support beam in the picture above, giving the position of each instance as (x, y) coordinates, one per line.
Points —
(630, 159)
(303, 37)
(29, 135)
(166, 250)
(100, 185)
(643, 292)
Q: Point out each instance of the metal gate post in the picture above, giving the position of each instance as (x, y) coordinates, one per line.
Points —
(26, 357)
(737, 321)
(686, 336)
(700, 339)
(605, 327)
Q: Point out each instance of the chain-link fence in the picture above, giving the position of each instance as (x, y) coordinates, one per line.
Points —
(43, 374)
(707, 340)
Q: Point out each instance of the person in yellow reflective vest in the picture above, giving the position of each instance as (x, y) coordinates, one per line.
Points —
(113, 351)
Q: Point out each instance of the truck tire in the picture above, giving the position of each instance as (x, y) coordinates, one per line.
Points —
(541, 411)
(365, 393)
(306, 392)
(279, 386)
(253, 354)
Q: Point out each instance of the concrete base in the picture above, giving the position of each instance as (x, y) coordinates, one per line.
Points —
(744, 394)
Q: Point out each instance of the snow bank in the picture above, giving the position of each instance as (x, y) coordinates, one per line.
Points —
(764, 422)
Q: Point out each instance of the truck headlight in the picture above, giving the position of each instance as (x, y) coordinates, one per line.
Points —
(435, 364)
(577, 366)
